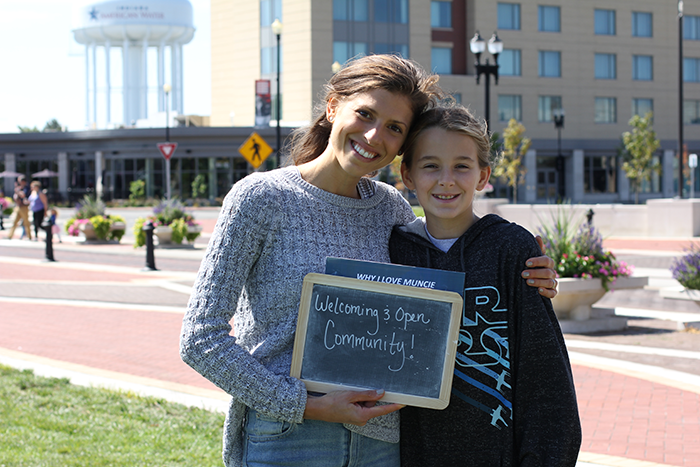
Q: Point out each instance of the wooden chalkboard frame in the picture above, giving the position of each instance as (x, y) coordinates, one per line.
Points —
(447, 371)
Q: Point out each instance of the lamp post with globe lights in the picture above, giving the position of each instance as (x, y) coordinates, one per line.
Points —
(559, 125)
(478, 46)
(277, 31)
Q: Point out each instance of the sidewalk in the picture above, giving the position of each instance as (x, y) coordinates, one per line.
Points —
(97, 317)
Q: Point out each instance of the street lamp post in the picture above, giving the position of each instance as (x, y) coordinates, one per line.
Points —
(477, 45)
(559, 125)
(680, 99)
(166, 89)
(277, 31)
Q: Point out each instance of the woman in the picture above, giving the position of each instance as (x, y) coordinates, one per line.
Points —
(37, 204)
(275, 228)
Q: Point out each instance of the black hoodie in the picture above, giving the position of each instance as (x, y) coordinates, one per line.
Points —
(513, 401)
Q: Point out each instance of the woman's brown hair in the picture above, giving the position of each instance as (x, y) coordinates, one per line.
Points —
(389, 72)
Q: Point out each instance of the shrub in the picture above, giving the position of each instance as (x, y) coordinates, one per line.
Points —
(137, 191)
(101, 225)
(116, 234)
(89, 207)
(179, 230)
(686, 269)
(139, 234)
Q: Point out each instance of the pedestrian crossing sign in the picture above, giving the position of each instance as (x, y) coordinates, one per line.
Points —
(255, 150)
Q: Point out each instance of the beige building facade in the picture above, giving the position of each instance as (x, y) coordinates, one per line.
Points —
(598, 61)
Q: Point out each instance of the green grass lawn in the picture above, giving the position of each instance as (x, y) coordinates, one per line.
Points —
(418, 211)
(49, 422)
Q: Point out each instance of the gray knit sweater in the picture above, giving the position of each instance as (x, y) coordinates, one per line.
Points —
(274, 228)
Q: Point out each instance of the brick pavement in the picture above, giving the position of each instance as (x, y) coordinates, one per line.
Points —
(626, 420)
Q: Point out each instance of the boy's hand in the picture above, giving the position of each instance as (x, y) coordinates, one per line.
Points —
(543, 276)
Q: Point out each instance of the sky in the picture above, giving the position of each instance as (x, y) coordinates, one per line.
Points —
(42, 68)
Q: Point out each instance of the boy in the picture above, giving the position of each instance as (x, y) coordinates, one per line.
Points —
(513, 401)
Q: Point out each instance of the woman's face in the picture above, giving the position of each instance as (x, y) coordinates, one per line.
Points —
(368, 130)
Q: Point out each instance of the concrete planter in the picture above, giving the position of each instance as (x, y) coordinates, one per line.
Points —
(89, 231)
(164, 234)
(575, 298)
(574, 304)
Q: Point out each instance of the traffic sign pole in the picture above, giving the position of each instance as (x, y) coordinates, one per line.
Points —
(167, 149)
(167, 178)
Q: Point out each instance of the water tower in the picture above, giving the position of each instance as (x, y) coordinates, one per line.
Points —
(133, 26)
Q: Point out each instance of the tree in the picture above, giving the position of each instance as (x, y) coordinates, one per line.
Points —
(27, 129)
(509, 165)
(638, 158)
(52, 125)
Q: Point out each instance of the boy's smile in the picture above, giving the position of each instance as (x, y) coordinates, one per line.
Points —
(445, 174)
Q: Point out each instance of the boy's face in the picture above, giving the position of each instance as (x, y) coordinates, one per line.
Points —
(445, 175)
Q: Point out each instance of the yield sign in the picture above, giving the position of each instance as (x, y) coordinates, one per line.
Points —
(167, 149)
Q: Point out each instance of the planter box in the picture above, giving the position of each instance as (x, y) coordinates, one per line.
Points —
(164, 234)
(575, 298)
(574, 308)
(89, 231)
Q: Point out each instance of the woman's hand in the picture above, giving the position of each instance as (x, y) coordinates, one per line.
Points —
(543, 276)
(354, 407)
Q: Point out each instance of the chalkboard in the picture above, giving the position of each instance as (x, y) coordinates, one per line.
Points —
(355, 334)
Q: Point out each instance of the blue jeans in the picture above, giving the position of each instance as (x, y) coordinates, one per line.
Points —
(312, 443)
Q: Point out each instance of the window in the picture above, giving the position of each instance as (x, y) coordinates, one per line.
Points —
(344, 51)
(550, 64)
(641, 24)
(546, 107)
(396, 49)
(642, 107)
(691, 70)
(509, 63)
(605, 22)
(351, 10)
(642, 67)
(691, 27)
(509, 16)
(605, 110)
(599, 174)
(441, 14)
(441, 58)
(605, 66)
(509, 106)
(268, 59)
(391, 11)
(269, 11)
(549, 18)
(691, 112)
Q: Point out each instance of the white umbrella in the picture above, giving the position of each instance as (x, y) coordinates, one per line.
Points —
(9, 174)
(46, 173)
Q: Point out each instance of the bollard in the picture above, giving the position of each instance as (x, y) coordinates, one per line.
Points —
(150, 257)
(46, 225)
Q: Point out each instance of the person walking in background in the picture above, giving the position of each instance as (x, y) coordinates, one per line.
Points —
(37, 204)
(21, 198)
(55, 229)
